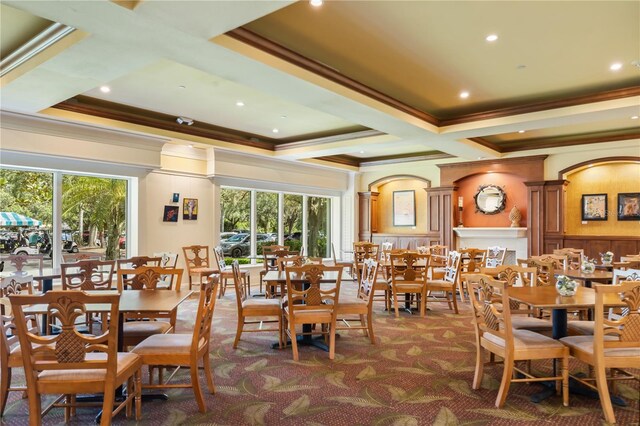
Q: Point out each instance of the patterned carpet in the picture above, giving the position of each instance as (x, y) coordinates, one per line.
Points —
(419, 373)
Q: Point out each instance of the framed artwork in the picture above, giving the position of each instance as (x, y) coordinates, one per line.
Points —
(190, 209)
(629, 206)
(594, 207)
(404, 208)
(170, 214)
(175, 198)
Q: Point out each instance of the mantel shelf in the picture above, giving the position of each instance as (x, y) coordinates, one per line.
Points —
(481, 232)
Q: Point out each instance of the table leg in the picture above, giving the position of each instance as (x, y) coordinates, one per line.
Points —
(559, 323)
(47, 285)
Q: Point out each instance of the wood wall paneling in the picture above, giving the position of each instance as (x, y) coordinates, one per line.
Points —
(434, 212)
(535, 219)
(529, 168)
(554, 193)
(374, 212)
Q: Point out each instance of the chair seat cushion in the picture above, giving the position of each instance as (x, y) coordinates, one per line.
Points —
(440, 284)
(525, 340)
(203, 271)
(126, 360)
(349, 304)
(164, 344)
(585, 344)
(145, 328)
(586, 328)
(521, 322)
(262, 304)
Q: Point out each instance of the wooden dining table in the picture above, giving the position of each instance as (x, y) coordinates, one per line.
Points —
(328, 277)
(599, 276)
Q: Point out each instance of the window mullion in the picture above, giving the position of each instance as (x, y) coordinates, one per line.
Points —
(253, 226)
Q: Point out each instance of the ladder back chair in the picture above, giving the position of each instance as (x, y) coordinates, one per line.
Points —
(409, 276)
(196, 258)
(185, 350)
(226, 273)
(615, 345)
(269, 259)
(362, 304)
(448, 283)
(84, 363)
(315, 304)
(495, 333)
(137, 326)
(254, 308)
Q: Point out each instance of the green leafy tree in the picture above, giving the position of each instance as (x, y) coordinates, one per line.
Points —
(27, 193)
(318, 224)
(235, 206)
(292, 215)
(267, 212)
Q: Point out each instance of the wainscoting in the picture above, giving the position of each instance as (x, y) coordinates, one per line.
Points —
(410, 241)
(593, 245)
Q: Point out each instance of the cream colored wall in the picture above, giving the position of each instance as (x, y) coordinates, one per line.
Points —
(610, 179)
(385, 207)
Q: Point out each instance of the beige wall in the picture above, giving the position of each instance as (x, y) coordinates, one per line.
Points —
(602, 179)
(385, 207)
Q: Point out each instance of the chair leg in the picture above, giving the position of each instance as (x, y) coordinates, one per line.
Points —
(395, 303)
(363, 324)
(195, 382)
(5, 384)
(332, 340)
(370, 327)
(455, 302)
(565, 381)
(190, 282)
(208, 374)
(603, 392)
(129, 406)
(280, 332)
(248, 284)
(107, 404)
(506, 382)
(294, 343)
(67, 409)
(238, 331)
(479, 373)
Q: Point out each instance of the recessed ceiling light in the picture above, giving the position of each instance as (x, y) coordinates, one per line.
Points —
(185, 120)
(480, 158)
(239, 104)
(520, 131)
(521, 66)
(361, 152)
(464, 95)
(275, 130)
(492, 37)
(316, 3)
(634, 117)
(615, 66)
(182, 87)
(190, 146)
(283, 116)
(105, 89)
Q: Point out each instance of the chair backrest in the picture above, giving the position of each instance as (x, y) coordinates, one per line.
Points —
(137, 261)
(218, 254)
(196, 257)
(148, 278)
(452, 269)
(241, 291)
(625, 327)
(13, 284)
(76, 257)
(87, 275)
(514, 275)
(289, 261)
(69, 348)
(270, 254)
(627, 275)
(409, 267)
(488, 297)
(439, 255)
(423, 249)
(315, 297)
(560, 261)
(471, 260)
(386, 246)
(204, 315)
(333, 254)
(18, 262)
(316, 260)
(167, 259)
(626, 265)
(495, 256)
(545, 270)
(365, 250)
(574, 257)
(368, 280)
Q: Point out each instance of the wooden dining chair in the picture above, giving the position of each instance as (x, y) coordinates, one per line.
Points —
(615, 345)
(196, 258)
(438, 260)
(495, 333)
(448, 283)
(168, 260)
(254, 308)
(87, 275)
(137, 261)
(138, 326)
(338, 262)
(10, 353)
(25, 264)
(574, 257)
(361, 305)
(314, 304)
(364, 250)
(523, 317)
(409, 277)
(560, 261)
(226, 273)
(85, 364)
(269, 260)
(381, 284)
(545, 268)
(494, 256)
(76, 257)
(185, 350)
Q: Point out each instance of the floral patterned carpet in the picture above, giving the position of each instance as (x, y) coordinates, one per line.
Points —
(419, 373)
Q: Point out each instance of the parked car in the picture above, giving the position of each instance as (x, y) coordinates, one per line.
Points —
(239, 245)
(226, 235)
(294, 236)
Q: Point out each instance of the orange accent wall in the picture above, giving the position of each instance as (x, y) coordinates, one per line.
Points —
(512, 185)
(610, 179)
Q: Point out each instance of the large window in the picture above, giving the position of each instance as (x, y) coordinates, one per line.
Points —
(92, 214)
(279, 217)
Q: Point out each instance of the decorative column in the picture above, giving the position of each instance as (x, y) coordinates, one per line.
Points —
(368, 214)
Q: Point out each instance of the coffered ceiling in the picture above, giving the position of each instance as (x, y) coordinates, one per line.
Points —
(350, 83)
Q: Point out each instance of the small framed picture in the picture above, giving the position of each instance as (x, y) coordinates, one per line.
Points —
(629, 206)
(190, 209)
(176, 197)
(170, 214)
(404, 208)
(594, 207)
